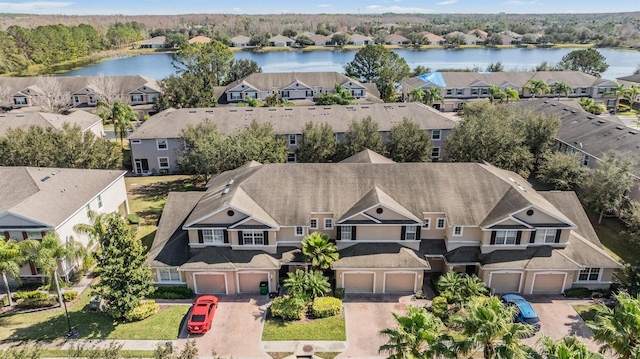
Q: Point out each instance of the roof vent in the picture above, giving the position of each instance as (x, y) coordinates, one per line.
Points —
(249, 110)
(619, 128)
(55, 172)
(288, 109)
(601, 121)
(591, 118)
(574, 111)
(633, 132)
(272, 109)
(511, 179)
(192, 111)
(230, 182)
(311, 108)
(45, 179)
(233, 110)
(225, 191)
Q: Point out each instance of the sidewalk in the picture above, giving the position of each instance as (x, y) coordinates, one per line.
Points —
(126, 344)
(289, 346)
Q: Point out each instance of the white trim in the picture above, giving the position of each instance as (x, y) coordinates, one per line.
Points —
(533, 282)
(453, 232)
(444, 224)
(600, 271)
(380, 205)
(44, 226)
(359, 272)
(322, 213)
(384, 280)
(507, 272)
(295, 231)
(195, 285)
(324, 224)
(433, 149)
(186, 226)
(271, 228)
(164, 167)
(166, 142)
(439, 137)
(311, 226)
(252, 272)
(428, 222)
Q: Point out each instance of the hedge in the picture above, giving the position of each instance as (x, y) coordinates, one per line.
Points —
(288, 308)
(70, 295)
(144, 310)
(31, 295)
(324, 307)
(172, 292)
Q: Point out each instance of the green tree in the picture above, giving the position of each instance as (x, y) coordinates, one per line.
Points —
(561, 88)
(416, 95)
(566, 348)
(13, 254)
(319, 143)
(317, 249)
(536, 87)
(488, 324)
(455, 40)
(562, 171)
(631, 94)
(240, 69)
(361, 135)
(433, 95)
(418, 334)
(511, 94)
(618, 329)
(310, 284)
(125, 278)
(458, 288)
(377, 64)
(495, 93)
(589, 61)
(419, 70)
(289, 33)
(339, 40)
(408, 143)
(606, 186)
(341, 96)
(496, 67)
(618, 92)
(121, 115)
(304, 41)
(588, 104)
(204, 151)
(540, 132)
(258, 143)
(94, 230)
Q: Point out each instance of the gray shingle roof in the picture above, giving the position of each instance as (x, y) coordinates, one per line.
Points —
(267, 81)
(380, 255)
(72, 84)
(517, 78)
(17, 119)
(631, 78)
(289, 120)
(367, 156)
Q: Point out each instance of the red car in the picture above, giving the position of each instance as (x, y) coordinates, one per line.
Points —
(202, 314)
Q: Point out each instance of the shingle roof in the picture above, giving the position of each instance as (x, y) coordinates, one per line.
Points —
(380, 255)
(18, 119)
(631, 78)
(396, 38)
(225, 258)
(26, 192)
(72, 84)
(280, 38)
(240, 39)
(289, 120)
(200, 40)
(267, 81)
(367, 156)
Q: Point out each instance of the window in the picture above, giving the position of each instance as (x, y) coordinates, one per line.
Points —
(168, 275)
(410, 233)
(436, 135)
(546, 235)
(506, 237)
(601, 90)
(309, 93)
(291, 157)
(253, 238)
(345, 233)
(427, 223)
(34, 235)
(589, 274)
(163, 162)
(583, 90)
(328, 223)
(435, 152)
(87, 208)
(285, 94)
(20, 100)
(314, 223)
(585, 160)
(99, 201)
(440, 223)
(460, 92)
(449, 92)
(474, 91)
(213, 236)
(135, 142)
(293, 140)
(299, 231)
(484, 91)
(457, 231)
(161, 143)
(136, 98)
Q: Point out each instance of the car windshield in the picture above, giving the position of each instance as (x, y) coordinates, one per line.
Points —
(533, 320)
(197, 318)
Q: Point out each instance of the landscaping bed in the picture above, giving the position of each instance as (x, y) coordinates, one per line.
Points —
(331, 328)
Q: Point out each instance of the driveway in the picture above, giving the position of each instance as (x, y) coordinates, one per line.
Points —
(235, 331)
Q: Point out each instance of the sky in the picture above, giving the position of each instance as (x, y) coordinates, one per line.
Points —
(172, 7)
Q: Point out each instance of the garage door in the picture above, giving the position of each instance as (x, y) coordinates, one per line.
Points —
(399, 282)
(358, 282)
(548, 283)
(505, 282)
(210, 284)
(250, 282)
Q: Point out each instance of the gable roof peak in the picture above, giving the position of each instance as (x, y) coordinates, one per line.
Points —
(367, 156)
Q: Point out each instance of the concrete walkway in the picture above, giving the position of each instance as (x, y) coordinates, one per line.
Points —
(289, 346)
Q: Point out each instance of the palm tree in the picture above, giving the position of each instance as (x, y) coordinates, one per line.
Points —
(631, 94)
(343, 93)
(433, 95)
(566, 348)
(419, 334)
(488, 324)
(561, 88)
(618, 329)
(295, 282)
(97, 228)
(120, 114)
(51, 253)
(13, 254)
(511, 94)
(416, 95)
(496, 93)
(590, 105)
(618, 91)
(317, 249)
(310, 284)
(458, 288)
(536, 87)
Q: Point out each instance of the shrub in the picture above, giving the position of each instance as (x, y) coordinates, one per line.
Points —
(32, 303)
(288, 308)
(419, 294)
(132, 218)
(70, 295)
(144, 310)
(3, 301)
(172, 292)
(31, 295)
(88, 262)
(324, 307)
(338, 293)
(439, 306)
(577, 293)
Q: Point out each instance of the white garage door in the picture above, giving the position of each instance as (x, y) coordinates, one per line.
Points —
(210, 284)
(250, 282)
(548, 283)
(399, 282)
(505, 282)
(358, 282)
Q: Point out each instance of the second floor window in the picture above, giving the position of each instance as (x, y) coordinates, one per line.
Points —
(213, 236)
(436, 135)
(410, 233)
(546, 235)
(99, 201)
(506, 237)
(440, 223)
(161, 143)
(345, 233)
(328, 223)
(253, 238)
(293, 140)
(136, 98)
(314, 223)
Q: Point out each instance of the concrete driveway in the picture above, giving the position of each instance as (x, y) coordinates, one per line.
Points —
(236, 329)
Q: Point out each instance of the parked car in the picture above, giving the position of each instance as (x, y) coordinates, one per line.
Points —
(204, 308)
(526, 314)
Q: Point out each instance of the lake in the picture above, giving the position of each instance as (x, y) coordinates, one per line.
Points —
(158, 66)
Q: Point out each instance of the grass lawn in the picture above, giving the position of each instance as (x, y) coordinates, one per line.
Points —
(332, 328)
(586, 312)
(58, 353)
(612, 235)
(52, 324)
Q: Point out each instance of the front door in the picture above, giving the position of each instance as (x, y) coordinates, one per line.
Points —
(142, 165)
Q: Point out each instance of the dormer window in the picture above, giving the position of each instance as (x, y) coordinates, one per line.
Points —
(506, 237)
(299, 231)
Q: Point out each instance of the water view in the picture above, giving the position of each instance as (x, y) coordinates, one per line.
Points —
(621, 63)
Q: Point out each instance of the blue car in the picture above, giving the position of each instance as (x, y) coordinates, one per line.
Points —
(526, 314)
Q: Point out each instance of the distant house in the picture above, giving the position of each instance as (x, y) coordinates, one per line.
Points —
(360, 40)
(468, 39)
(153, 43)
(240, 41)
(433, 39)
(281, 41)
(200, 40)
(512, 34)
(478, 33)
(397, 39)
(627, 81)
(17, 119)
(318, 40)
(508, 40)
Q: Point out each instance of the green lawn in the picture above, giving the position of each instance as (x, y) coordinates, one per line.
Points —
(59, 353)
(52, 324)
(332, 328)
(612, 234)
(586, 312)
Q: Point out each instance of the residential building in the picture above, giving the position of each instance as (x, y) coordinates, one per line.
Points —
(155, 145)
(394, 225)
(318, 40)
(433, 39)
(468, 39)
(397, 39)
(240, 41)
(153, 43)
(460, 87)
(280, 41)
(360, 40)
(478, 33)
(40, 200)
(18, 119)
(627, 81)
(199, 40)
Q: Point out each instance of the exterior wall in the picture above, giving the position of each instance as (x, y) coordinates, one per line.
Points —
(148, 149)
(437, 264)
(433, 232)
(289, 234)
(320, 217)
(222, 217)
(379, 277)
(537, 217)
(378, 233)
(97, 129)
(471, 236)
(231, 279)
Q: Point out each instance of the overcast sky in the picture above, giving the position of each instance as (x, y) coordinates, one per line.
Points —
(130, 7)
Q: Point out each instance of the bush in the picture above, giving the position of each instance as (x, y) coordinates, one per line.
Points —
(88, 262)
(577, 293)
(338, 293)
(172, 292)
(37, 303)
(31, 295)
(324, 307)
(419, 294)
(132, 218)
(144, 310)
(439, 306)
(3, 301)
(70, 295)
(288, 308)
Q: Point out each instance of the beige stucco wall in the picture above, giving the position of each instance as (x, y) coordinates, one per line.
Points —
(379, 277)
(433, 232)
(373, 233)
(289, 234)
(320, 217)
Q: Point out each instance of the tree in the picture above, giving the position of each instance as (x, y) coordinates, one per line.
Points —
(317, 249)
(419, 70)
(566, 348)
(589, 61)
(416, 95)
(50, 254)
(259, 40)
(289, 33)
(105, 87)
(496, 67)
(433, 95)
(418, 334)
(618, 329)
(204, 151)
(318, 145)
(408, 143)
(94, 230)
(496, 93)
(455, 40)
(536, 87)
(121, 115)
(125, 277)
(488, 324)
(341, 96)
(631, 94)
(561, 88)
(361, 135)
(304, 41)
(13, 254)
(310, 284)
(458, 288)
(607, 185)
(377, 64)
(240, 69)
(588, 104)
(512, 94)
(618, 92)
(50, 97)
(339, 39)
(540, 132)
(562, 171)
(258, 143)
